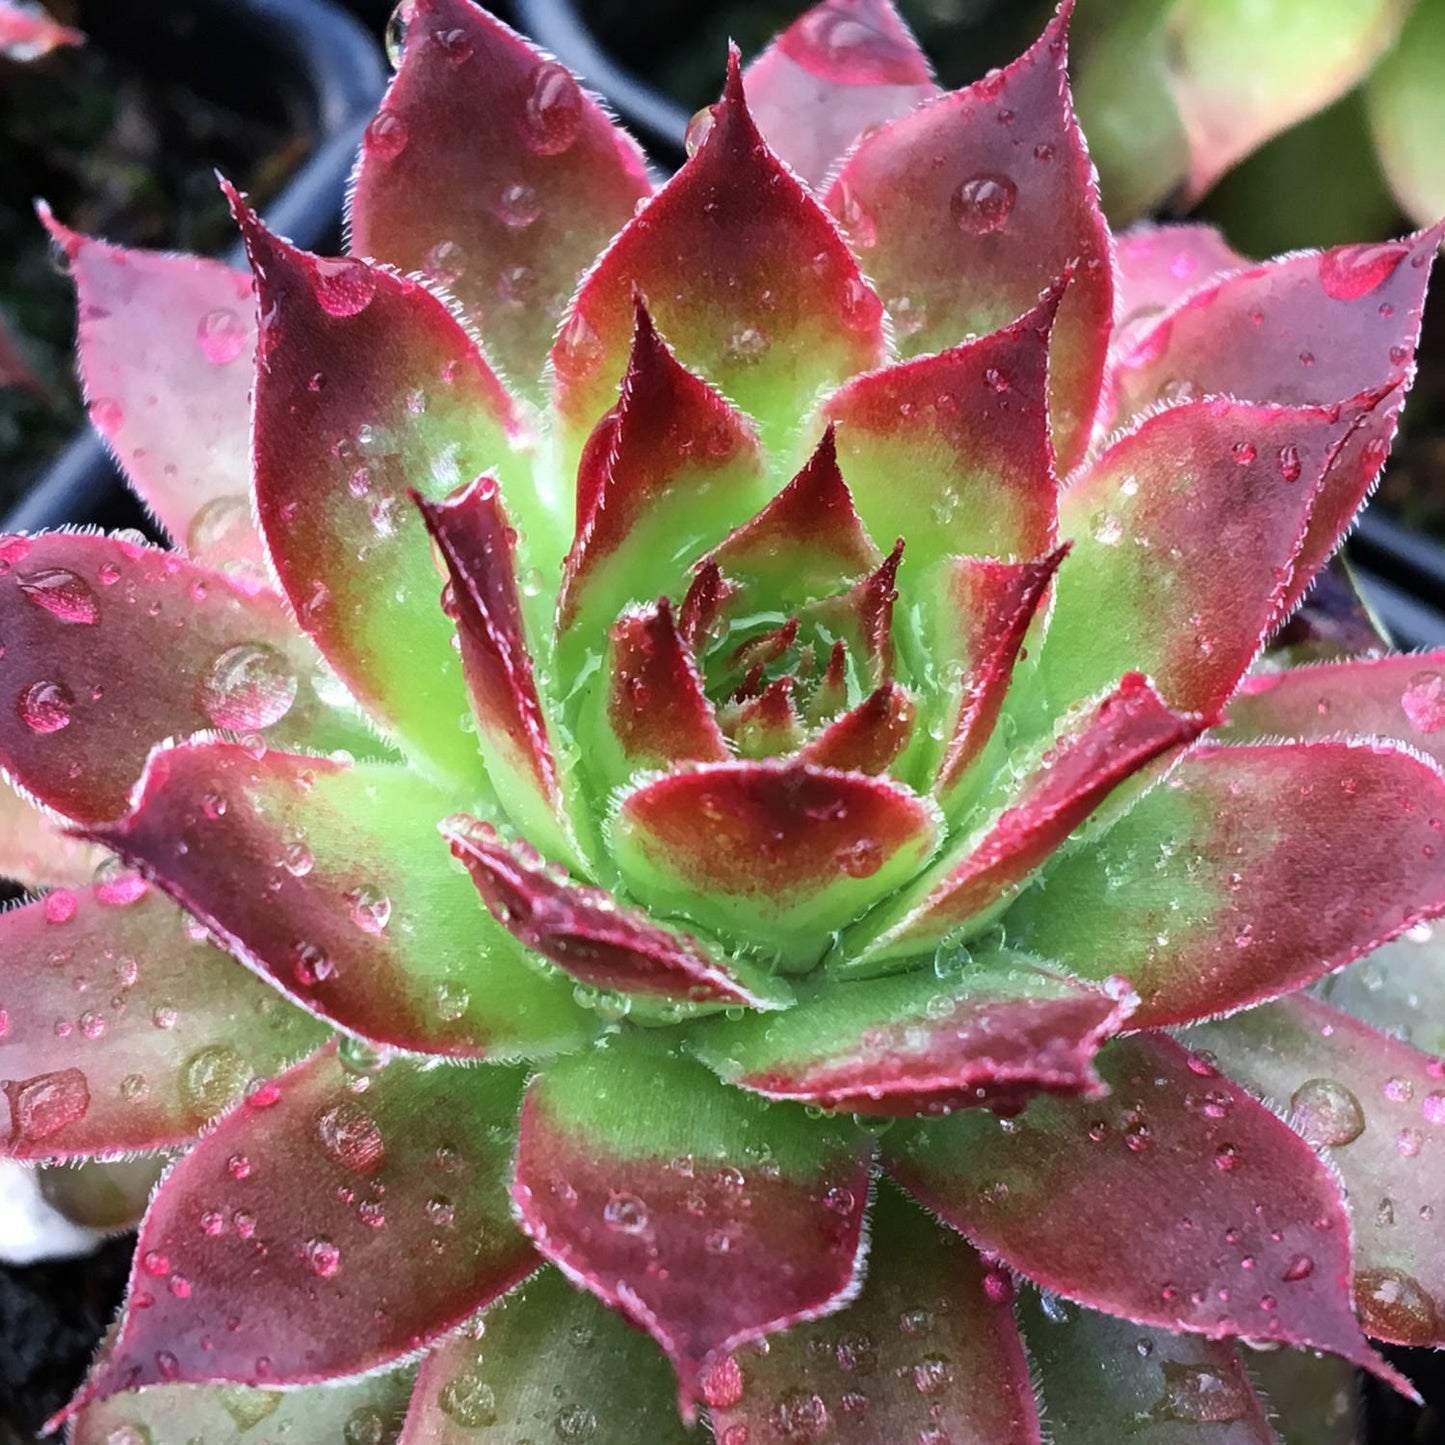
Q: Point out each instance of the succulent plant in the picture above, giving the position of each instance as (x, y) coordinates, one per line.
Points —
(798, 843)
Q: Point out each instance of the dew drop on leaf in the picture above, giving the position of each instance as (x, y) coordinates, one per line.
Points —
(1423, 701)
(552, 115)
(625, 1213)
(323, 1258)
(1324, 1112)
(212, 1078)
(699, 127)
(800, 1417)
(45, 707)
(343, 285)
(364, 1426)
(351, 1137)
(395, 37)
(1350, 272)
(983, 203)
(248, 1407)
(44, 1104)
(1395, 1306)
(63, 594)
(248, 687)
(221, 335)
(469, 1400)
(1197, 1395)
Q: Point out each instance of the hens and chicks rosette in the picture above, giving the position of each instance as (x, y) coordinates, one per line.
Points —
(732, 952)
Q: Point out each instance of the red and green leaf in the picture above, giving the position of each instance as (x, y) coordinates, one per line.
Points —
(1149, 520)
(951, 451)
(366, 387)
(331, 882)
(253, 1271)
(840, 68)
(588, 934)
(866, 738)
(492, 173)
(777, 855)
(478, 549)
(964, 210)
(1157, 265)
(992, 1032)
(670, 472)
(366, 1410)
(122, 1027)
(1250, 872)
(975, 881)
(929, 1351)
(110, 648)
(707, 1216)
(1176, 1202)
(1386, 697)
(1104, 1379)
(745, 274)
(550, 1355)
(1376, 1106)
(167, 348)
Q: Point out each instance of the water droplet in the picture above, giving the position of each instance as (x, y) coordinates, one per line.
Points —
(1349, 272)
(856, 1354)
(63, 594)
(468, 1399)
(1289, 462)
(1395, 1306)
(552, 115)
(212, 1078)
(573, 1423)
(222, 336)
(1325, 1113)
(107, 415)
(518, 205)
(699, 127)
(1243, 453)
(248, 1407)
(351, 1137)
(396, 27)
(1398, 1089)
(1423, 701)
(297, 859)
(1227, 1158)
(1433, 1107)
(358, 1057)
(933, 1374)
(861, 858)
(454, 44)
(857, 218)
(799, 1417)
(983, 203)
(370, 908)
(364, 1426)
(1300, 1267)
(452, 1001)
(224, 523)
(323, 1258)
(444, 263)
(722, 1384)
(625, 1213)
(59, 906)
(343, 285)
(129, 1434)
(44, 1104)
(1199, 1395)
(248, 687)
(746, 346)
(579, 348)
(45, 707)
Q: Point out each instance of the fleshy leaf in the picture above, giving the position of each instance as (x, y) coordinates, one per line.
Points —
(1157, 265)
(167, 348)
(1178, 1201)
(252, 1270)
(972, 883)
(123, 1028)
(551, 1354)
(1149, 520)
(952, 451)
(1213, 893)
(1387, 697)
(775, 854)
(841, 67)
(1104, 1379)
(1311, 329)
(490, 171)
(33, 849)
(657, 713)
(745, 274)
(966, 209)
(1315, 1398)
(331, 882)
(676, 468)
(862, 617)
(112, 647)
(368, 1411)
(27, 32)
(868, 737)
(929, 1351)
(992, 1033)
(981, 615)
(365, 387)
(584, 930)
(1377, 1106)
(807, 541)
(1240, 76)
(1403, 96)
(707, 1216)
(478, 548)
(1398, 989)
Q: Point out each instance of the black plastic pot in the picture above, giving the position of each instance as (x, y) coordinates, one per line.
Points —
(306, 59)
